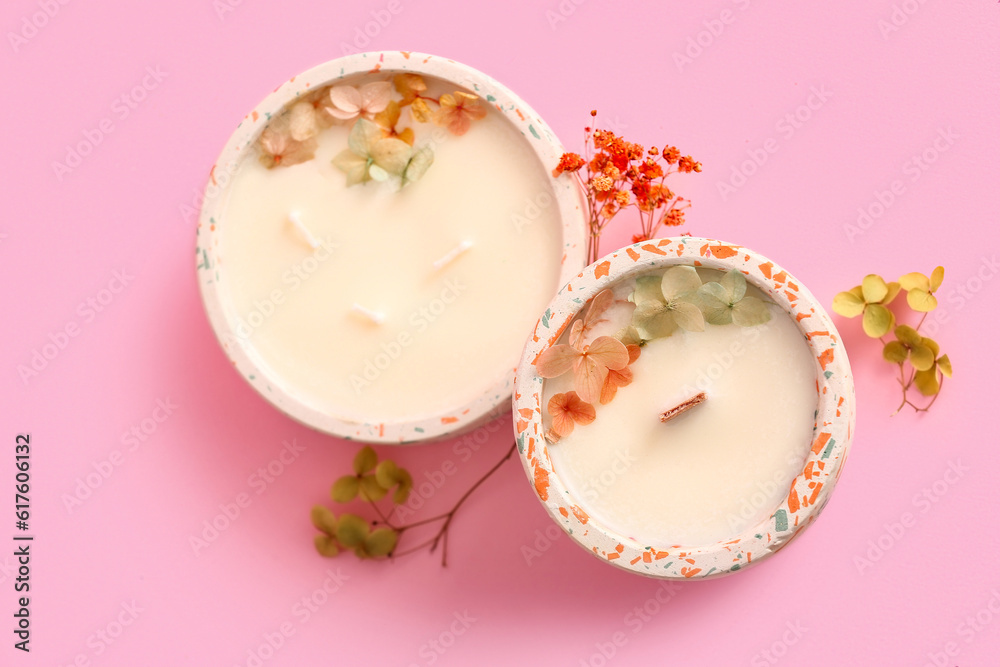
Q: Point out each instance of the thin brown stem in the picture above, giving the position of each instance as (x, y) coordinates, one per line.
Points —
(412, 550)
(906, 401)
(381, 514)
(441, 537)
(928, 406)
(423, 522)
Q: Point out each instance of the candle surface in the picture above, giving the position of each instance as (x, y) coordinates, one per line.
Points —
(719, 467)
(416, 298)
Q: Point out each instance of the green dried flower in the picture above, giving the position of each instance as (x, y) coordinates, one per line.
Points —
(664, 304)
(927, 368)
(726, 301)
(869, 299)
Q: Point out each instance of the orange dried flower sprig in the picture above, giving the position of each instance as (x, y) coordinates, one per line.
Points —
(617, 174)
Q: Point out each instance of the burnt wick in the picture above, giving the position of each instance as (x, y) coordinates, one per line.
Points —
(680, 409)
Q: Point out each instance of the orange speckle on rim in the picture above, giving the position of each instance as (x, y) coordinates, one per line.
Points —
(649, 247)
(542, 482)
(602, 269)
(449, 420)
(633, 254)
(720, 251)
(793, 499)
(812, 498)
(820, 443)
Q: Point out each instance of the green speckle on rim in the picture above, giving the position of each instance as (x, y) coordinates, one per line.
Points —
(829, 449)
(534, 132)
(545, 318)
(251, 377)
(418, 429)
(490, 98)
(828, 374)
(520, 444)
(668, 565)
(781, 520)
(205, 263)
(734, 568)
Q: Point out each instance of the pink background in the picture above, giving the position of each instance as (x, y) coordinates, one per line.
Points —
(888, 95)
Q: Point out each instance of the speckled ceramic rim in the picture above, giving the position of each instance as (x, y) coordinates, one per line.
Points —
(452, 419)
(809, 491)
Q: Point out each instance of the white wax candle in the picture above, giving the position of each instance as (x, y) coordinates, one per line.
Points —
(713, 471)
(437, 333)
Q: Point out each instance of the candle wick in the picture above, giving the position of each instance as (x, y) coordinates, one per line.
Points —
(372, 316)
(296, 220)
(678, 410)
(452, 255)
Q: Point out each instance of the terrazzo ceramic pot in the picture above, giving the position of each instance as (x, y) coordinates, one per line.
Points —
(449, 418)
(807, 493)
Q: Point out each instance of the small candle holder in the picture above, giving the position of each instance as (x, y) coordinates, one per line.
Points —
(358, 69)
(808, 492)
